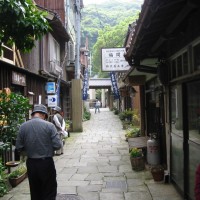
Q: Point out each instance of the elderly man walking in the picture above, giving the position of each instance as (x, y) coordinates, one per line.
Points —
(38, 138)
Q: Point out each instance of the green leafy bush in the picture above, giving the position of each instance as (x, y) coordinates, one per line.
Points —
(126, 115)
(116, 111)
(133, 132)
(24, 23)
(135, 153)
(68, 123)
(13, 111)
(86, 114)
(18, 172)
(3, 179)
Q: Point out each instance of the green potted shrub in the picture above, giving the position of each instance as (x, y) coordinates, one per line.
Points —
(137, 159)
(18, 175)
(136, 118)
(132, 132)
(115, 111)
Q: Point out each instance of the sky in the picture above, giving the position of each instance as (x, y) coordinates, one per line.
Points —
(86, 2)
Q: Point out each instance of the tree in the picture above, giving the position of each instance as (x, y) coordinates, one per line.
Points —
(109, 37)
(21, 23)
(13, 110)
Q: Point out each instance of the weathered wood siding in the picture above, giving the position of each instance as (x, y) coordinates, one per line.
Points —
(57, 6)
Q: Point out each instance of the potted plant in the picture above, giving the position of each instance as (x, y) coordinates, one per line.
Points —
(157, 172)
(18, 175)
(132, 132)
(137, 159)
(68, 125)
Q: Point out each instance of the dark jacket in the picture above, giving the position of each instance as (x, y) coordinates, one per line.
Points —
(38, 138)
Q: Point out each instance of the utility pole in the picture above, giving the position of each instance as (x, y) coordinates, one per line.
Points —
(78, 39)
(77, 103)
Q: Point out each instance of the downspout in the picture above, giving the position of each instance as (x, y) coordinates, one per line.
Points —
(41, 68)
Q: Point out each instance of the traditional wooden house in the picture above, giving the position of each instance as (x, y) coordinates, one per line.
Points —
(29, 73)
(164, 52)
(64, 50)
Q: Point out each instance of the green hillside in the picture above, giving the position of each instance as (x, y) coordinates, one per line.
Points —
(96, 17)
(106, 25)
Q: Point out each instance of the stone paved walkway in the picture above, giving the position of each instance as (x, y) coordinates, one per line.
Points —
(96, 166)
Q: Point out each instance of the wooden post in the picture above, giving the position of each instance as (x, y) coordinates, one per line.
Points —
(77, 106)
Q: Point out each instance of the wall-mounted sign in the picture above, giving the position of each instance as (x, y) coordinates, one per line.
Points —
(52, 100)
(50, 87)
(113, 59)
(18, 78)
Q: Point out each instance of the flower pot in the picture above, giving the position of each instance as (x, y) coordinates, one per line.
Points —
(16, 181)
(138, 163)
(157, 173)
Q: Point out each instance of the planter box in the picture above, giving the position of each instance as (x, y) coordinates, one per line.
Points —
(16, 181)
(138, 163)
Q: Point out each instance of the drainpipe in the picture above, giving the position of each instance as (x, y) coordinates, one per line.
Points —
(78, 35)
(41, 56)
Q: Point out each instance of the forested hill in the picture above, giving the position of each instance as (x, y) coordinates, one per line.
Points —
(96, 16)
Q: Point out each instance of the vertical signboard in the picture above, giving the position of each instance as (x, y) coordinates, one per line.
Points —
(85, 84)
(114, 85)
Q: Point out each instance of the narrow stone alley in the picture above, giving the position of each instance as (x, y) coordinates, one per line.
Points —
(96, 166)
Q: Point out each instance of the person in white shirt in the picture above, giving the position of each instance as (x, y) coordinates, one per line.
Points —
(59, 123)
(97, 106)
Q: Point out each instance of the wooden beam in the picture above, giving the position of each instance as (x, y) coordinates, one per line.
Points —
(20, 59)
(135, 80)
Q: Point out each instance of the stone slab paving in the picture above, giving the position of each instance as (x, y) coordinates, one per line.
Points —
(96, 166)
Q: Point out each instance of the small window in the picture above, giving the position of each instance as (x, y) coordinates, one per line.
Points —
(179, 65)
(173, 69)
(196, 57)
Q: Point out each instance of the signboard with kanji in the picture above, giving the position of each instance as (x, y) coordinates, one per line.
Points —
(113, 59)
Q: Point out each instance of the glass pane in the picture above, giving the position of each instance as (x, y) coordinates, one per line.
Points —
(194, 111)
(176, 111)
(177, 161)
(194, 160)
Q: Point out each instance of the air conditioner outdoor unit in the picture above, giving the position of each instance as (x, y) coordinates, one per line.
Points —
(55, 69)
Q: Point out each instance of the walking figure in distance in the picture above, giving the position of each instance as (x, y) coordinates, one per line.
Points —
(38, 138)
(59, 123)
(97, 106)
